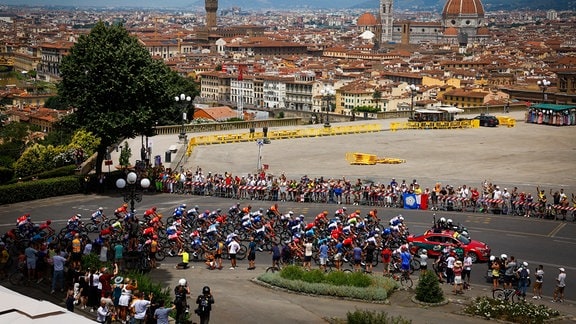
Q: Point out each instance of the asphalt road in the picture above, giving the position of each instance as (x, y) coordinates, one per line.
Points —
(536, 241)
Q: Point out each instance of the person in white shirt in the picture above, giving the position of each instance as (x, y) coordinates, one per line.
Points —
(467, 264)
(539, 276)
(102, 313)
(450, 267)
(506, 196)
(560, 285)
(233, 248)
(423, 260)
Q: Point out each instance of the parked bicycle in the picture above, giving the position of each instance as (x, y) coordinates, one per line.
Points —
(512, 295)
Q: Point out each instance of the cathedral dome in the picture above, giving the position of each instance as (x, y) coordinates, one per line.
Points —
(463, 7)
(367, 19)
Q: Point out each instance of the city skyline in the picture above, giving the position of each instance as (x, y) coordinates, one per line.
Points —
(292, 4)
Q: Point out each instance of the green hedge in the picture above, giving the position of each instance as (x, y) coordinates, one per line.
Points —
(39, 189)
(378, 291)
(6, 174)
(336, 278)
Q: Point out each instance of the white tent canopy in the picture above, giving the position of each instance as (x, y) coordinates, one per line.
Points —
(450, 109)
(19, 309)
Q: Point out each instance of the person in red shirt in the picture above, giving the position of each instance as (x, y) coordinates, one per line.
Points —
(46, 227)
(150, 213)
(386, 259)
(474, 195)
(121, 211)
(106, 278)
(274, 210)
(321, 218)
(373, 214)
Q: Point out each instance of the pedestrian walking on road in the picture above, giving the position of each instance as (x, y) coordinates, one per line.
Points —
(560, 285)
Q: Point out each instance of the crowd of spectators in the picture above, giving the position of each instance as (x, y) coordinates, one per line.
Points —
(485, 197)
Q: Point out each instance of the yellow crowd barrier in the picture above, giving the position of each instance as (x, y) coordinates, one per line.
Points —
(361, 158)
(356, 158)
(506, 121)
(473, 123)
(280, 134)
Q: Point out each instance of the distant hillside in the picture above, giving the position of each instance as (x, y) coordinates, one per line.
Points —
(489, 5)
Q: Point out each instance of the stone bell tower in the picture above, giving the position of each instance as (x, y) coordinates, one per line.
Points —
(211, 8)
(387, 20)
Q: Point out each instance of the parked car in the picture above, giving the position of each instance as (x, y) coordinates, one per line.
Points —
(488, 120)
(434, 243)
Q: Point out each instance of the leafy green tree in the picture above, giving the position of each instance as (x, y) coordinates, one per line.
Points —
(86, 141)
(12, 143)
(58, 136)
(125, 155)
(116, 88)
(3, 103)
(14, 132)
(428, 289)
(55, 102)
(377, 96)
(37, 158)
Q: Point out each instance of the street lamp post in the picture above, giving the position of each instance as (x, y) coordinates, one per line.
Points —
(184, 100)
(260, 143)
(544, 84)
(132, 184)
(413, 89)
(328, 94)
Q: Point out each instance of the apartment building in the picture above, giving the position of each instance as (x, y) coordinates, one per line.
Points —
(215, 86)
(52, 54)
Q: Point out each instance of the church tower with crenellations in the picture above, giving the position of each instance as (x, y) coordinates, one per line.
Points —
(387, 20)
(211, 8)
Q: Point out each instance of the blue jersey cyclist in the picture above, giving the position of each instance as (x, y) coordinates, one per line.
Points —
(406, 257)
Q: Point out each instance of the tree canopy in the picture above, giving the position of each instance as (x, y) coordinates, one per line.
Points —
(116, 88)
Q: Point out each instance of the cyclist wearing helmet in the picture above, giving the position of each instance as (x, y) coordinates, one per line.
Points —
(98, 215)
(204, 302)
(150, 213)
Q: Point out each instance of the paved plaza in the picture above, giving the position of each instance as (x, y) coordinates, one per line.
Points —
(525, 156)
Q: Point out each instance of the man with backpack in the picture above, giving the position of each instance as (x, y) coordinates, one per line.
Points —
(204, 303)
(523, 279)
(180, 293)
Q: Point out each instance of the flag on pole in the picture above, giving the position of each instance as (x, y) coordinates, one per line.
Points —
(410, 201)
